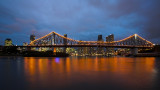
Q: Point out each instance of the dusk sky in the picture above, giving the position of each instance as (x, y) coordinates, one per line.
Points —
(80, 19)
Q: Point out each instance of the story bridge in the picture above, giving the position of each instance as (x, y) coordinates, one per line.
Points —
(54, 39)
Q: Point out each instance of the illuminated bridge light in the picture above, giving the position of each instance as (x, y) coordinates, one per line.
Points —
(59, 38)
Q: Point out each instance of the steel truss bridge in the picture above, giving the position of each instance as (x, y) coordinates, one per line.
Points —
(54, 39)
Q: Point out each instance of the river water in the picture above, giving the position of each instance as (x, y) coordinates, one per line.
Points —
(79, 73)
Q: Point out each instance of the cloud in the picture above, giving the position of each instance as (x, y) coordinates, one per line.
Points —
(25, 21)
(146, 14)
(6, 13)
(5, 32)
(81, 19)
(20, 25)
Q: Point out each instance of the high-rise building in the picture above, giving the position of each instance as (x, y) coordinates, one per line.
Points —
(65, 40)
(32, 37)
(100, 50)
(100, 38)
(110, 38)
(110, 51)
(8, 42)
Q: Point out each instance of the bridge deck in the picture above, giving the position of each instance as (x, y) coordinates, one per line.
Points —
(112, 46)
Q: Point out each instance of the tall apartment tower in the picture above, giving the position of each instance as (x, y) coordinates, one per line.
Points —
(32, 37)
(100, 38)
(110, 51)
(100, 49)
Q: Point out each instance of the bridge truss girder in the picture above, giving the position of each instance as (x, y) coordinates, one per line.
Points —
(56, 39)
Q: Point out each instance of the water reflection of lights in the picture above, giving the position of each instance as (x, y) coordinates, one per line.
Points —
(57, 60)
(50, 71)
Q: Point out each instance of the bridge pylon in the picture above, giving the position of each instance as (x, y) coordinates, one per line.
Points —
(64, 42)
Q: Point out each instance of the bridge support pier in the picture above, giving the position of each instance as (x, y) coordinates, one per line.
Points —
(52, 49)
(134, 51)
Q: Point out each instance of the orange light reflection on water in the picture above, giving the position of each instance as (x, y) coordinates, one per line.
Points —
(65, 71)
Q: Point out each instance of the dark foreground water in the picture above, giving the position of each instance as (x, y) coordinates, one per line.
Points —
(79, 73)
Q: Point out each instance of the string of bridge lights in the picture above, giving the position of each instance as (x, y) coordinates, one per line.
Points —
(144, 39)
(135, 35)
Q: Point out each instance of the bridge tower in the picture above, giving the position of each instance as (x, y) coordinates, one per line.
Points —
(53, 42)
(65, 42)
(134, 51)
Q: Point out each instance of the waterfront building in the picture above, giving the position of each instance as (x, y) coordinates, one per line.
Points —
(123, 51)
(24, 48)
(84, 51)
(157, 48)
(25, 43)
(8, 42)
(80, 49)
(71, 51)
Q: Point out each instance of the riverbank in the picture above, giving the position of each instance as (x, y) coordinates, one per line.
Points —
(147, 55)
(37, 54)
(44, 54)
(61, 54)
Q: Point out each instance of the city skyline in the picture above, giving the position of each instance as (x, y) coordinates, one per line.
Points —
(79, 19)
